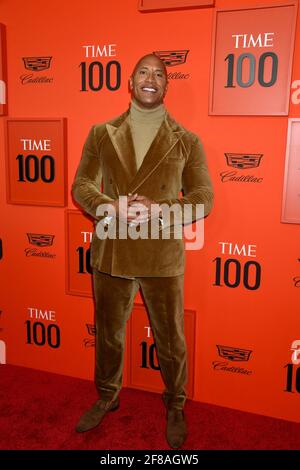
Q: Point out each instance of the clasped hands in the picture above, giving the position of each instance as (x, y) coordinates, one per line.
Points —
(139, 209)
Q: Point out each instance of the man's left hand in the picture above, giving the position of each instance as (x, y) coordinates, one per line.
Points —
(146, 207)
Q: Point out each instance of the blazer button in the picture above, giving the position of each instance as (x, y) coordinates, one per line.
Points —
(163, 186)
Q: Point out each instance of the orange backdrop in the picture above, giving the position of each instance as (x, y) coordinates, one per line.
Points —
(239, 338)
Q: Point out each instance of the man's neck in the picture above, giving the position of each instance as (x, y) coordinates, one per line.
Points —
(138, 112)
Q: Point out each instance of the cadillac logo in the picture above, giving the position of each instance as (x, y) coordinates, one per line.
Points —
(172, 58)
(243, 161)
(40, 239)
(37, 63)
(90, 341)
(233, 354)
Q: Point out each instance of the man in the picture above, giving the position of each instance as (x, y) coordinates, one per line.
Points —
(145, 158)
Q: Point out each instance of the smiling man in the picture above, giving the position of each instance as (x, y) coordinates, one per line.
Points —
(145, 157)
(148, 81)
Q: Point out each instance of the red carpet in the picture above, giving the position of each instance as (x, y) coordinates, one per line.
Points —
(39, 410)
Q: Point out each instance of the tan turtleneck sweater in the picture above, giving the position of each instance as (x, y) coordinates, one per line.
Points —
(144, 124)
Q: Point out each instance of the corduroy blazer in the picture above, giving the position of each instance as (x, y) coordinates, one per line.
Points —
(174, 163)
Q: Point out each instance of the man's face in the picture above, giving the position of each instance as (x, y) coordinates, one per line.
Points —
(148, 84)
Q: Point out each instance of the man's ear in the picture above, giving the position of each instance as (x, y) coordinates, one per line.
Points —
(130, 83)
(166, 88)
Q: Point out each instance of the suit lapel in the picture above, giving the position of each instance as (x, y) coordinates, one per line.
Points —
(121, 139)
(166, 138)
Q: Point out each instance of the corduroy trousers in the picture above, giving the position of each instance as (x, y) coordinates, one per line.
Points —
(163, 296)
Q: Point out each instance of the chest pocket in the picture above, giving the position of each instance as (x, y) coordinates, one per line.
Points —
(176, 155)
(175, 158)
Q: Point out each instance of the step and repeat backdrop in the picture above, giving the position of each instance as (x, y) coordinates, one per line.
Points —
(234, 80)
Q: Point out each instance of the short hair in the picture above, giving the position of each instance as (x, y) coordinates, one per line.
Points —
(151, 55)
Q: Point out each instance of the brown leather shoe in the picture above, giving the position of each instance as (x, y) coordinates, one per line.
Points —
(92, 417)
(176, 428)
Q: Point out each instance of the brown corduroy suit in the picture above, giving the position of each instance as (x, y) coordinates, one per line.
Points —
(175, 162)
